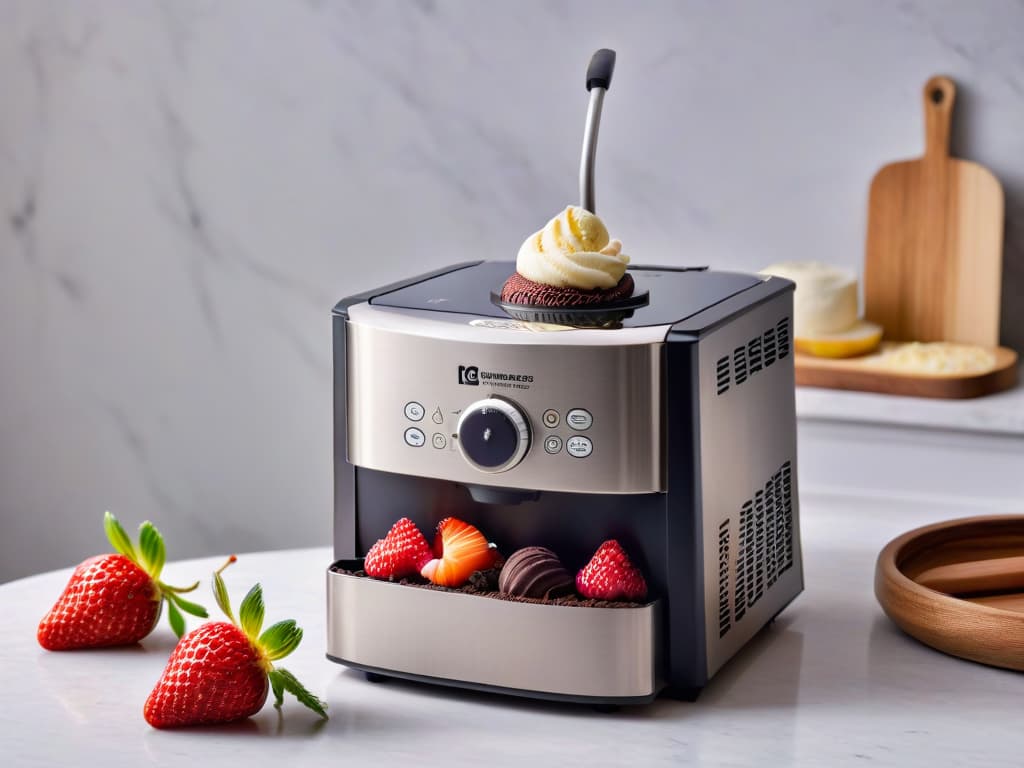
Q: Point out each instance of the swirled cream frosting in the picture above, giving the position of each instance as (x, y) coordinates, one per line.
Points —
(573, 251)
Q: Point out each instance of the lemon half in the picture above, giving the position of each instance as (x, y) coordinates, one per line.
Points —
(861, 338)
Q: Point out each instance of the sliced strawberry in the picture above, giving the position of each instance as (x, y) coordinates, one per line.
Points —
(611, 576)
(463, 550)
(403, 552)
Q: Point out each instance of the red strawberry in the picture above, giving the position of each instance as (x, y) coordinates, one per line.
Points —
(116, 599)
(611, 576)
(461, 549)
(403, 552)
(220, 671)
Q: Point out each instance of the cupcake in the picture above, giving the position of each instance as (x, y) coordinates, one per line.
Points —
(571, 262)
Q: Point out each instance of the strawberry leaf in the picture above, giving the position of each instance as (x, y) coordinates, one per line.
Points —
(280, 639)
(294, 687)
(151, 544)
(176, 619)
(277, 686)
(179, 590)
(118, 538)
(250, 612)
(221, 593)
(188, 607)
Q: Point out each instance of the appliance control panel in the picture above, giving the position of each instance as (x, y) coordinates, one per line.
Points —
(485, 410)
(494, 434)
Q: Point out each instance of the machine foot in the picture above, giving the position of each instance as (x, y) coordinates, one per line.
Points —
(605, 709)
(374, 677)
(682, 694)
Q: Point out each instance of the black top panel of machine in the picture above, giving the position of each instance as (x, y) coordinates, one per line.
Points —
(674, 293)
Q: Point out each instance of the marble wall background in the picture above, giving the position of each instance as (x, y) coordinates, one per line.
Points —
(187, 186)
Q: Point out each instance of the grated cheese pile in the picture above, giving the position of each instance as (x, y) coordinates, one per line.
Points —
(938, 357)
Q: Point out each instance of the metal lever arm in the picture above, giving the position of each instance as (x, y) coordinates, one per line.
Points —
(599, 79)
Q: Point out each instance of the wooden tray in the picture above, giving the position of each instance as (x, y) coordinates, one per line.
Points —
(958, 586)
(866, 375)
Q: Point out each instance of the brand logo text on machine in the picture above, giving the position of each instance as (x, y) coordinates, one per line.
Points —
(473, 376)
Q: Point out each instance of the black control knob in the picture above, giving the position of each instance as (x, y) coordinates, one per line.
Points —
(494, 435)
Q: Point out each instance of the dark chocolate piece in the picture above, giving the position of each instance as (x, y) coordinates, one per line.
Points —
(535, 572)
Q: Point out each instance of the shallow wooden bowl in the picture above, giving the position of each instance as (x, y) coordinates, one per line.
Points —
(979, 563)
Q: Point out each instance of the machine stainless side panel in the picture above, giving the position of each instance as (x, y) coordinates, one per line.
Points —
(396, 357)
(601, 652)
(747, 437)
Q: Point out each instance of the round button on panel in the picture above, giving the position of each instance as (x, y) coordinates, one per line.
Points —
(438, 440)
(579, 419)
(551, 418)
(579, 446)
(553, 444)
(414, 411)
(415, 437)
(494, 435)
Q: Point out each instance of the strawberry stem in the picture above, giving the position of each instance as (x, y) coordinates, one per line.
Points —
(220, 592)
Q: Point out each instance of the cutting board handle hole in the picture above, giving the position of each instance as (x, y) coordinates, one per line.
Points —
(937, 95)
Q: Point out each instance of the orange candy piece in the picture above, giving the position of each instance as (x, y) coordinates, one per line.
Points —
(462, 549)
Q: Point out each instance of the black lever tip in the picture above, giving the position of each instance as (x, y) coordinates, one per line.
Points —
(599, 73)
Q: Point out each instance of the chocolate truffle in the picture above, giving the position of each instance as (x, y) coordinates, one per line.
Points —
(520, 290)
(535, 572)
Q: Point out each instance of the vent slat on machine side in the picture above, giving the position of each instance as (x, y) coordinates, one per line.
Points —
(739, 364)
(787, 514)
(722, 374)
(769, 350)
(756, 355)
(724, 613)
(782, 331)
(764, 548)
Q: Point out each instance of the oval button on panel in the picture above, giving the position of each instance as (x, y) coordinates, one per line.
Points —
(415, 437)
(414, 411)
(579, 446)
(579, 418)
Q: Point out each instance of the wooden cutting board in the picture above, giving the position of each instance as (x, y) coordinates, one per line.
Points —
(933, 266)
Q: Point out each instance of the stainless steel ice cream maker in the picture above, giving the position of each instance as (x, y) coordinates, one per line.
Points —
(667, 425)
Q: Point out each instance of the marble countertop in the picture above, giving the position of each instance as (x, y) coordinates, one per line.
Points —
(832, 682)
(1001, 413)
